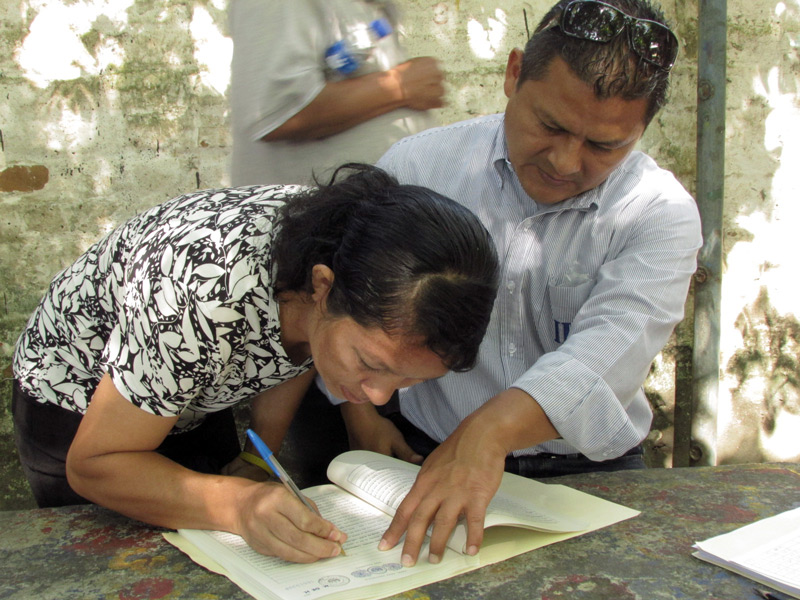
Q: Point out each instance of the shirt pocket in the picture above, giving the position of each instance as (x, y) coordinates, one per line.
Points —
(564, 303)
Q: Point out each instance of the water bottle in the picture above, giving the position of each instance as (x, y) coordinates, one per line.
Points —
(358, 32)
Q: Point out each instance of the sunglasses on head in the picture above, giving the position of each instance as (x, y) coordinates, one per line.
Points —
(600, 22)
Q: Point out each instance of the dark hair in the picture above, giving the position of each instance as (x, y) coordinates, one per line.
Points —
(612, 69)
(404, 258)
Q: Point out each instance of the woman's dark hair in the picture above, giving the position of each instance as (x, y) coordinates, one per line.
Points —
(404, 258)
(612, 69)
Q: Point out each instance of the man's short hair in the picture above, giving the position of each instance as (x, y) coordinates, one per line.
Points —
(613, 69)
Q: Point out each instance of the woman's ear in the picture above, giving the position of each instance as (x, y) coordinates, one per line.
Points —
(322, 281)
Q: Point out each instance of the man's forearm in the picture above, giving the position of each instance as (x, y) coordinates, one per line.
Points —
(341, 105)
(512, 420)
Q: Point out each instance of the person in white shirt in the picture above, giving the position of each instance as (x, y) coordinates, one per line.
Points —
(597, 246)
(294, 115)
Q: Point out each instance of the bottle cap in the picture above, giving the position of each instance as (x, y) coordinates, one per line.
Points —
(381, 28)
(339, 58)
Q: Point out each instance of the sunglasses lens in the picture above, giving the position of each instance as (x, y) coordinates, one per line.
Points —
(600, 22)
(592, 21)
(654, 43)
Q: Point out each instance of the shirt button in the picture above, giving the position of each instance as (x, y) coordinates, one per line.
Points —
(511, 286)
(512, 348)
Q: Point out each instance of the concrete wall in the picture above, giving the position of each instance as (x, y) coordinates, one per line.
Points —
(111, 106)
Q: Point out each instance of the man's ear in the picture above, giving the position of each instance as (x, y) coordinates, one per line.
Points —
(513, 69)
(322, 281)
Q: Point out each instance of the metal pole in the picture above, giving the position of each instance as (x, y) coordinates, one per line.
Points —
(710, 193)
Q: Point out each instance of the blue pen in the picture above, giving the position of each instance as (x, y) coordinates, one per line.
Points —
(276, 467)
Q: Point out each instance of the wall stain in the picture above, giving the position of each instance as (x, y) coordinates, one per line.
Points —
(22, 178)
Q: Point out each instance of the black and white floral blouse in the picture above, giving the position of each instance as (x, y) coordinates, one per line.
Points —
(176, 304)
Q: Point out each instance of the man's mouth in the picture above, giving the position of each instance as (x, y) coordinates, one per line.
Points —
(553, 180)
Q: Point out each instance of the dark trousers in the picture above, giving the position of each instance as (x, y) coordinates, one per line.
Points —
(43, 433)
(534, 467)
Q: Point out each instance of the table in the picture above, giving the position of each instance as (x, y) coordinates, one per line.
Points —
(87, 552)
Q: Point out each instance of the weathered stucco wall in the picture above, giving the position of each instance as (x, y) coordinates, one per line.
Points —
(111, 106)
(759, 412)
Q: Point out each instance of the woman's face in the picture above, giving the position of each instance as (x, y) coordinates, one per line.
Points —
(361, 364)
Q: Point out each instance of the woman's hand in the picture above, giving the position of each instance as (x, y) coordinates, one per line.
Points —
(367, 430)
(274, 522)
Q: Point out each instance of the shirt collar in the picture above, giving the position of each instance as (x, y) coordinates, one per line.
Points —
(499, 155)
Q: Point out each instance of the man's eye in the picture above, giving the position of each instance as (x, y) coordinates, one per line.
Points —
(601, 148)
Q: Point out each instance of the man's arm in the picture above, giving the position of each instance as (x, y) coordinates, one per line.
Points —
(278, 81)
(584, 383)
(416, 84)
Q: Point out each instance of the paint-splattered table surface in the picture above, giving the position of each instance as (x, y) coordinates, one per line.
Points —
(90, 553)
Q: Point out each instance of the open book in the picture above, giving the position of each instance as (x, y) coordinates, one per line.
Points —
(767, 551)
(524, 515)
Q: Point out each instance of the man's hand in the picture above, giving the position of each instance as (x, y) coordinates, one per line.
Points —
(421, 83)
(460, 478)
(456, 482)
(368, 430)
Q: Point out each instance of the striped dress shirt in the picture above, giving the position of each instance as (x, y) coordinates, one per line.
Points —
(591, 289)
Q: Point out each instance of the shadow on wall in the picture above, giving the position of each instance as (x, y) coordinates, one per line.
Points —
(766, 370)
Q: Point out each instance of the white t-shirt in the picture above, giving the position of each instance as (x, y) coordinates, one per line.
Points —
(278, 68)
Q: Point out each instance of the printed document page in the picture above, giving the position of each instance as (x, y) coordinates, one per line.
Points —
(339, 577)
(767, 551)
(384, 482)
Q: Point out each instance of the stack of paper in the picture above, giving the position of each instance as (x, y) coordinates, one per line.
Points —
(767, 551)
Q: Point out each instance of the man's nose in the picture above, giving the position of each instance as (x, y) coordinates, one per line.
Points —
(565, 156)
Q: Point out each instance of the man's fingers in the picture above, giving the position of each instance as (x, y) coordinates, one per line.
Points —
(442, 529)
(475, 531)
(447, 517)
(397, 527)
(416, 533)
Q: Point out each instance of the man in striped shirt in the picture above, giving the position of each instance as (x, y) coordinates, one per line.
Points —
(598, 245)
